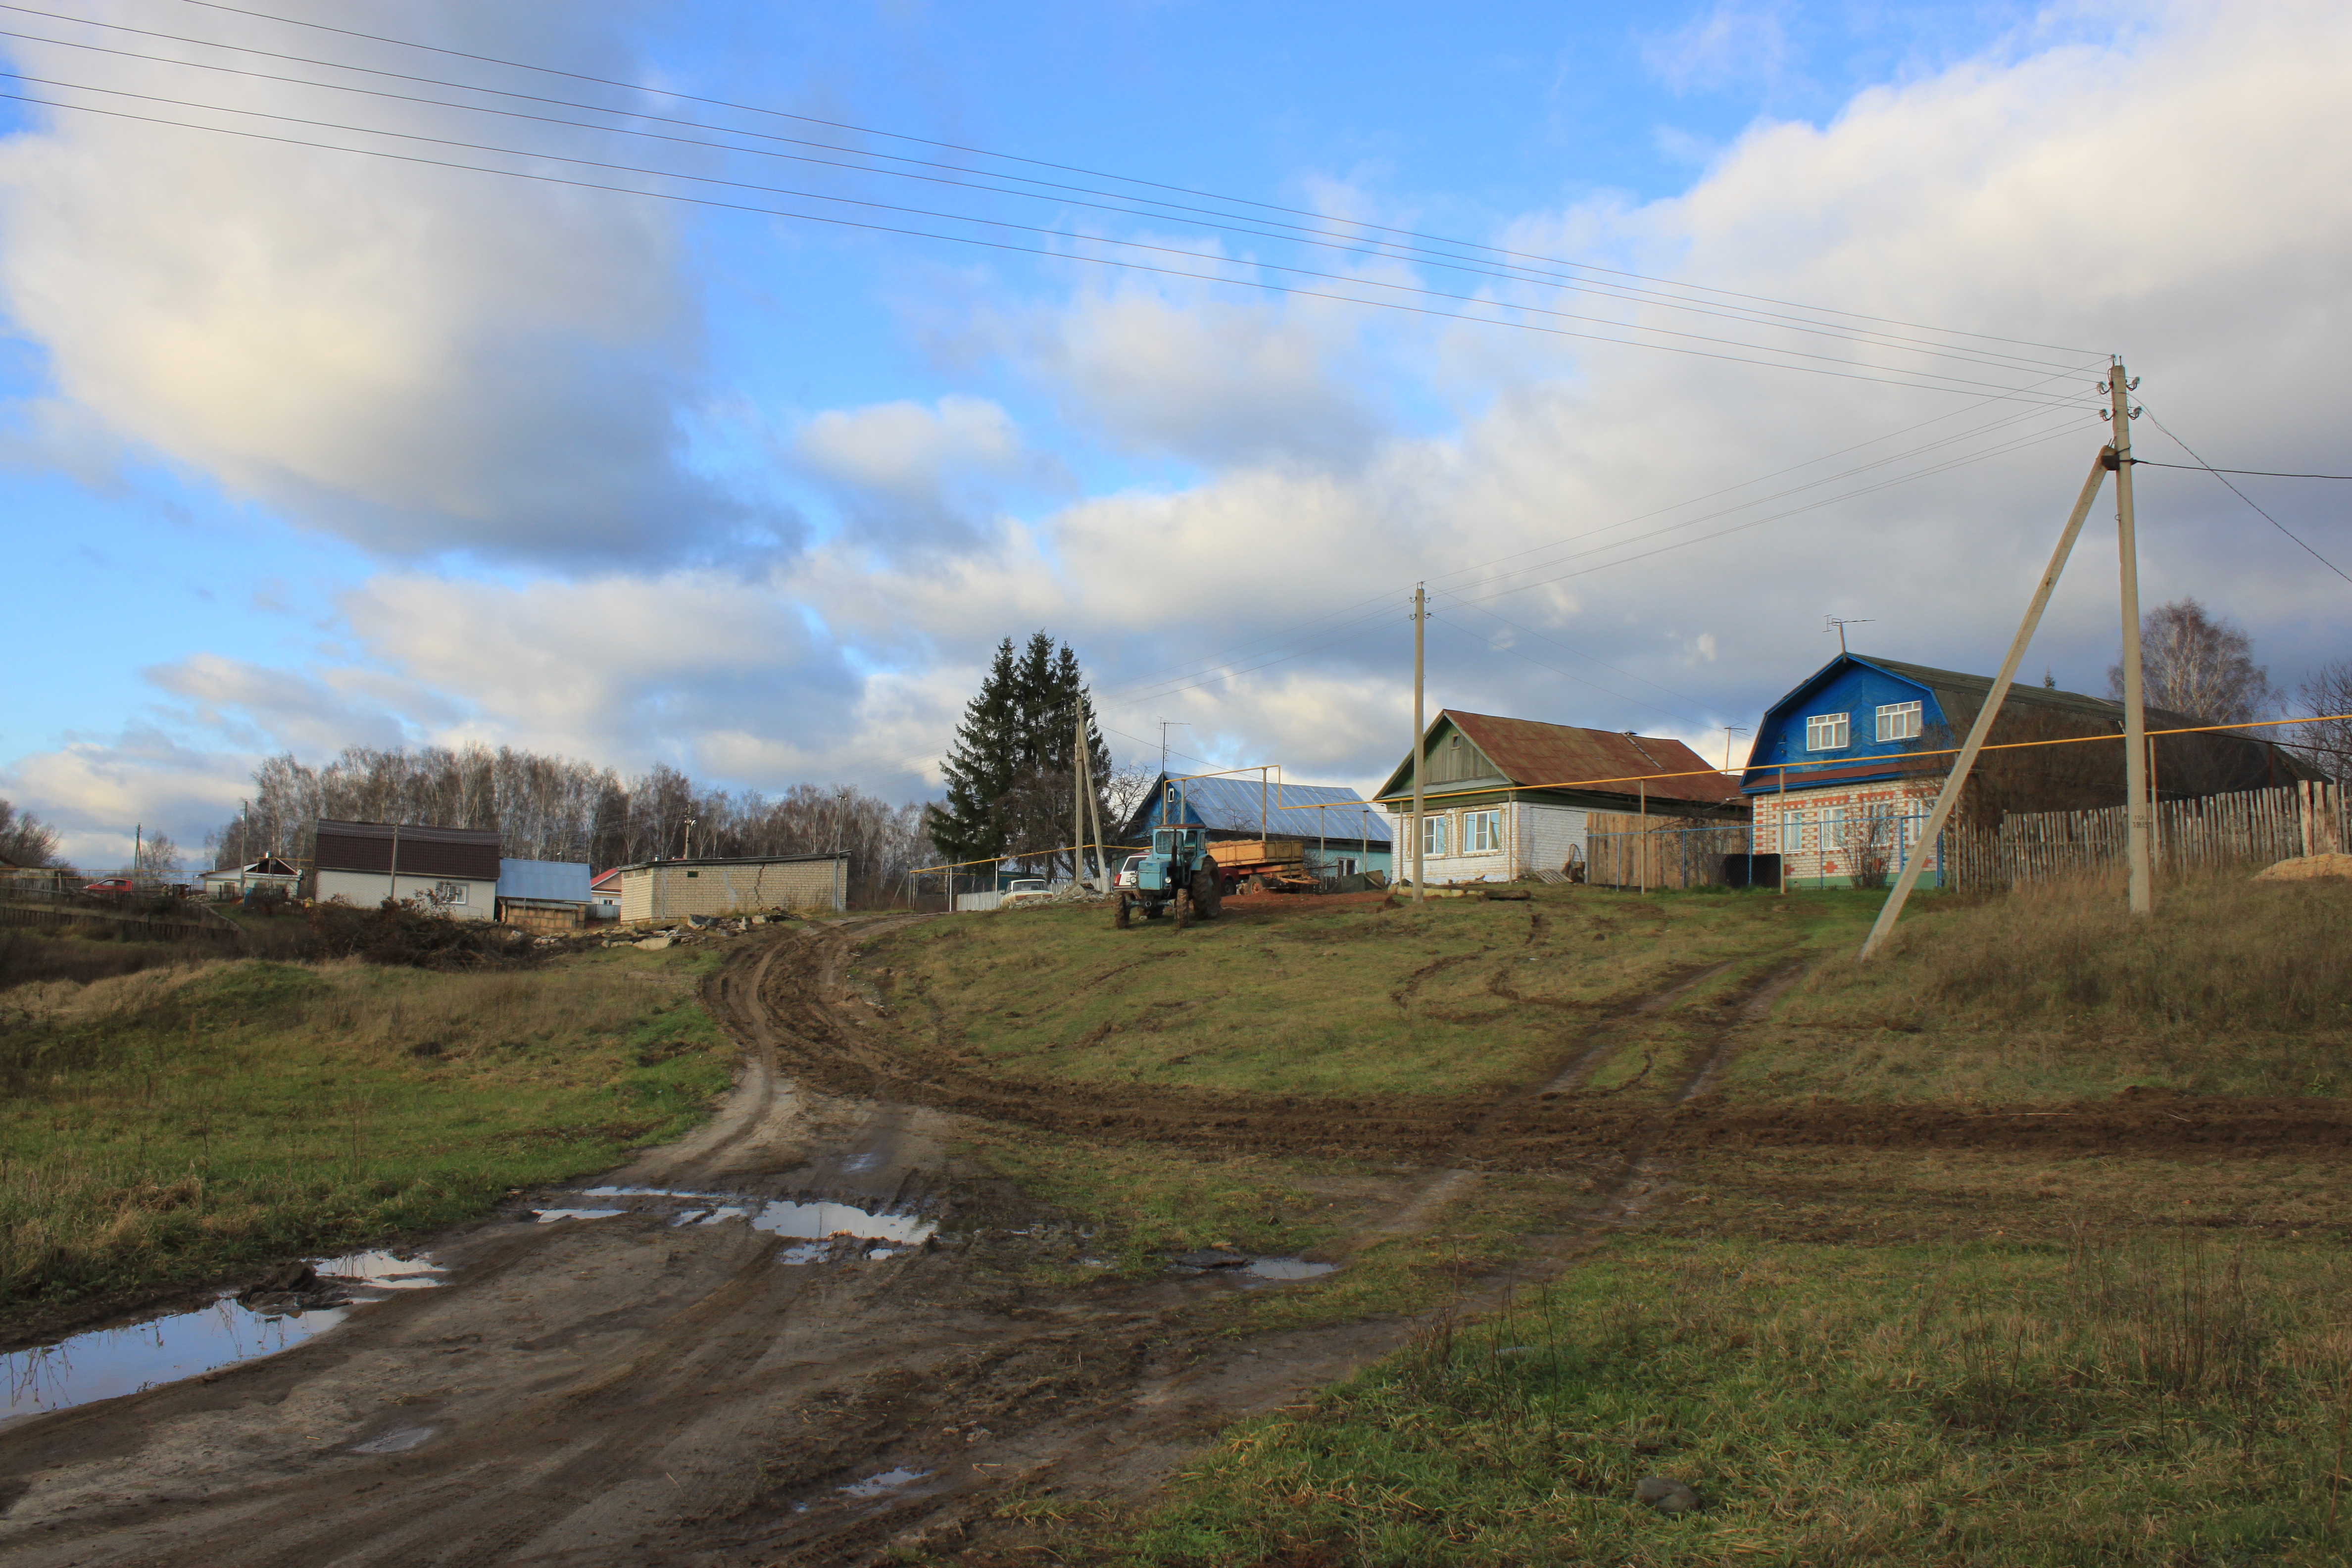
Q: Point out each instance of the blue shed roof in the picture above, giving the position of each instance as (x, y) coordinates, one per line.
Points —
(562, 880)
(1236, 806)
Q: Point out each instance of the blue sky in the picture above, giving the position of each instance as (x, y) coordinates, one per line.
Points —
(306, 450)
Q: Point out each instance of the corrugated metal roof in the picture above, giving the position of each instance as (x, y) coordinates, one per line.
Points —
(1235, 806)
(471, 853)
(1533, 754)
(562, 880)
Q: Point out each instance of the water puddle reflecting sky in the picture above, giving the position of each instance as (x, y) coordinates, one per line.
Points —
(104, 1363)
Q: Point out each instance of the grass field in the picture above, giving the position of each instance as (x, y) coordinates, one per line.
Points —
(2130, 1401)
(2233, 987)
(170, 1126)
(1454, 994)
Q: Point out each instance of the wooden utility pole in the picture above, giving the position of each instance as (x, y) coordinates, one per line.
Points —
(1958, 776)
(1420, 616)
(2136, 808)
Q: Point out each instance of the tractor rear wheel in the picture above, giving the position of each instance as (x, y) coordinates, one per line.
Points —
(1208, 892)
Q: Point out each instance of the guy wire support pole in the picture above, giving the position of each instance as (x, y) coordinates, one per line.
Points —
(2136, 812)
(1420, 615)
(1954, 780)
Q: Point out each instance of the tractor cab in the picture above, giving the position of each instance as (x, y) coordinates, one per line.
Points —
(1175, 853)
(1177, 874)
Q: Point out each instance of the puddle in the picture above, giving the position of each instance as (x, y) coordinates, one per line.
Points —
(1287, 1267)
(814, 1222)
(105, 1362)
(819, 1220)
(399, 1440)
(381, 1270)
(874, 1486)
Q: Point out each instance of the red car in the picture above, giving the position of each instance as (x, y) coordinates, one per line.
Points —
(109, 887)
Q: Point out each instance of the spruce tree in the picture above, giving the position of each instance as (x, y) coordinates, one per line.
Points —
(980, 766)
(1009, 775)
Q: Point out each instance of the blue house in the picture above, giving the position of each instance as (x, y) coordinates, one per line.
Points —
(1846, 767)
(1339, 831)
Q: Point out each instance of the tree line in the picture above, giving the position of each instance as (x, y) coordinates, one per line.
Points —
(560, 808)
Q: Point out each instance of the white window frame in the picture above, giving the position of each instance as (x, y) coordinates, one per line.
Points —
(1832, 833)
(1433, 829)
(1792, 832)
(1482, 831)
(1829, 731)
(448, 893)
(1899, 721)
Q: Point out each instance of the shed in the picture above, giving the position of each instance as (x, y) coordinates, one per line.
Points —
(543, 895)
(1339, 833)
(454, 870)
(733, 885)
(1503, 798)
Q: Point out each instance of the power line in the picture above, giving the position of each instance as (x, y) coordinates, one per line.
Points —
(1923, 382)
(1073, 169)
(2209, 468)
(1290, 290)
(2242, 496)
(965, 179)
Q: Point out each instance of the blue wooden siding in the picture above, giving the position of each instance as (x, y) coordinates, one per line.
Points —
(1848, 685)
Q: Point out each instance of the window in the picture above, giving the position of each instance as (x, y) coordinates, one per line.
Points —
(1899, 721)
(448, 892)
(1792, 834)
(1825, 733)
(1833, 838)
(1433, 835)
(1482, 832)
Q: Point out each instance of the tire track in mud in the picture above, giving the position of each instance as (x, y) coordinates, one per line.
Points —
(1507, 1129)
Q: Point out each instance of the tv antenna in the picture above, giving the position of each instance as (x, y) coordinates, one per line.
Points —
(1181, 724)
(1840, 623)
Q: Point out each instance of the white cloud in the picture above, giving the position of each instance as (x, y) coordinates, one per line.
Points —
(415, 359)
(911, 475)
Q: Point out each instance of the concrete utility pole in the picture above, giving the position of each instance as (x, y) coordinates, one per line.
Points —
(1953, 780)
(1420, 616)
(2136, 809)
(1078, 793)
(1729, 731)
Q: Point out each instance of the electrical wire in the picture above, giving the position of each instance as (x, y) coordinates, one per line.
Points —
(2209, 469)
(1064, 168)
(2242, 495)
(963, 179)
(1925, 378)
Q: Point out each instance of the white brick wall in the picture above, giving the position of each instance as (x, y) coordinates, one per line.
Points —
(1809, 811)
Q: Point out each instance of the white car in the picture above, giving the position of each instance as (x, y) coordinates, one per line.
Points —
(1127, 871)
(1027, 890)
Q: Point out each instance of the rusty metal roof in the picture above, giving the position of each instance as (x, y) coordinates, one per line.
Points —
(1532, 755)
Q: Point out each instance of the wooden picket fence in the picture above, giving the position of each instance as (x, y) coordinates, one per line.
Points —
(2252, 828)
(1623, 849)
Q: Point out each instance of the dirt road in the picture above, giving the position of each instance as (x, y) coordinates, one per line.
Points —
(670, 1384)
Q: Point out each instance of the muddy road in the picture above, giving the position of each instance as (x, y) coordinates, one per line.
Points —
(670, 1383)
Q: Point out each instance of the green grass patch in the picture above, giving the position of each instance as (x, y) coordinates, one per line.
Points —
(2142, 1401)
(1452, 995)
(169, 1127)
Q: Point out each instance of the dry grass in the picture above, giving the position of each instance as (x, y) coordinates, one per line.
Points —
(2056, 992)
(1457, 995)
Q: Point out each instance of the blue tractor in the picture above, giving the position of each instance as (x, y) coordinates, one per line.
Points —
(1178, 874)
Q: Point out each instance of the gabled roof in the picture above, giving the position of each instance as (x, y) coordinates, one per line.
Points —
(606, 881)
(1236, 806)
(1532, 755)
